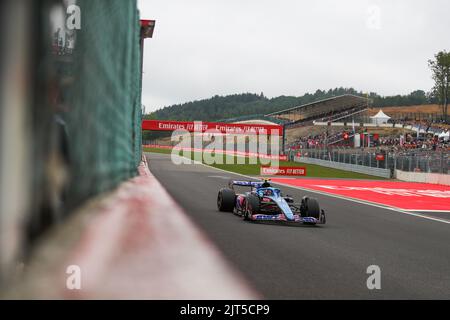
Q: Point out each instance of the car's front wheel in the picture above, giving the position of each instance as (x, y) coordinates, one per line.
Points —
(226, 200)
(310, 208)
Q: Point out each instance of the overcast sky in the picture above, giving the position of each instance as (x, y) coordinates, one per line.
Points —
(201, 48)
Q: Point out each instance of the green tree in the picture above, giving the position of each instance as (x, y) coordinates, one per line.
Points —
(440, 68)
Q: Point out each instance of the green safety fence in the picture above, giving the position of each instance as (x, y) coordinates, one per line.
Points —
(87, 103)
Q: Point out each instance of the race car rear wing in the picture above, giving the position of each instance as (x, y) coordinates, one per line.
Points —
(252, 184)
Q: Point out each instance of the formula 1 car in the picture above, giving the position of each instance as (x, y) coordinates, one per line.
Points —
(266, 203)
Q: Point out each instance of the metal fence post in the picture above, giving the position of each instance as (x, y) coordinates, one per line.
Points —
(395, 163)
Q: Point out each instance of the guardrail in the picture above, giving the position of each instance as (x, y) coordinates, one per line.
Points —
(414, 160)
(378, 172)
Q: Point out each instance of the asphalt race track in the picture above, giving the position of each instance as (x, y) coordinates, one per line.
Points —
(326, 262)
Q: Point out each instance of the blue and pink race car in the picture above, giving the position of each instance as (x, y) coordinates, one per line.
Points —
(266, 203)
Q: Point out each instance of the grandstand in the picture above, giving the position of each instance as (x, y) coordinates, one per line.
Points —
(298, 121)
(330, 107)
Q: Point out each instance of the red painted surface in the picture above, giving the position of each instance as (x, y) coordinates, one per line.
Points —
(283, 171)
(402, 195)
(212, 127)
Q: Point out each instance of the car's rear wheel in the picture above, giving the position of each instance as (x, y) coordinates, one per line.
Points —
(226, 199)
(252, 207)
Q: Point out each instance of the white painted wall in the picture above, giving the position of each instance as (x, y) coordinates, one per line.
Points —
(433, 178)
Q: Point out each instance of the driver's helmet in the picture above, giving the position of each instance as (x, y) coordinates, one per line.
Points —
(266, 184)
(268, 192)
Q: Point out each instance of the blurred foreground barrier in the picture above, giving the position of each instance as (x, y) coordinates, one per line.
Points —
(135, 243)
(424, 177)
(70, 112)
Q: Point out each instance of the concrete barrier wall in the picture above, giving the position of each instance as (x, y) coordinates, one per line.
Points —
(433, 178)
(132, 243)
(378, 172)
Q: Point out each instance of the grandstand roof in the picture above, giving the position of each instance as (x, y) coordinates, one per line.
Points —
(254, 117)
(344, 100)
(257, 121)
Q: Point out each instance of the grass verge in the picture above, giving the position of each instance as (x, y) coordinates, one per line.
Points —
(244, 166)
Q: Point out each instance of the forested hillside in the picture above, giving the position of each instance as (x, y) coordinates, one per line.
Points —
(224, 107)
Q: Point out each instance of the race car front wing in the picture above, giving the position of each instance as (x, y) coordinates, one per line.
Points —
(282, 217)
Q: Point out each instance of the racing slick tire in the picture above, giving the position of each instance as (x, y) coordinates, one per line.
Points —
(311, 208)
(226, 200)
(252, 206)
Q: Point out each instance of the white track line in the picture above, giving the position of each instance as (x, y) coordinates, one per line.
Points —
(438, 211)
(410, 213)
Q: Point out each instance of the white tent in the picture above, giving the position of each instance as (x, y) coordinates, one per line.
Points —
(380, 118)
(445, 135)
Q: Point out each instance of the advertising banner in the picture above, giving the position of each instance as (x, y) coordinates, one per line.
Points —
(283, 171)
(198, 126)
